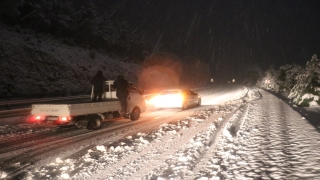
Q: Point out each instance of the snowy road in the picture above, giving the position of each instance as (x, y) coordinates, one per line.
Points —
(274, 142)
(230, 137)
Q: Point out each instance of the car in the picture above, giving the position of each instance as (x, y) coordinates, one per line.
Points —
(176, 98)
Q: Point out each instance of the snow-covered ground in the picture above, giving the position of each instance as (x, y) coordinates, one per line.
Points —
(257, 136)
(273, 142)
(34, 64)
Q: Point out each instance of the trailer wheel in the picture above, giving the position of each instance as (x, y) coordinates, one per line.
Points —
(94, 123)
(135, 114)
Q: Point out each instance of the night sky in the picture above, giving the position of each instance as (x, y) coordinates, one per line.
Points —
(229, 35)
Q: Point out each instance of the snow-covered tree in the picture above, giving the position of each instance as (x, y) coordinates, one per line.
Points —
(300, 84)
(287, 77)
(307, 90)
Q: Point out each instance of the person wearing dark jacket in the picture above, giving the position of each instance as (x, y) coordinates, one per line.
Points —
(98, 83)
(121, 86)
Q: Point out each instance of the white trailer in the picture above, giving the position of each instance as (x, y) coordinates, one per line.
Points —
(90, 115)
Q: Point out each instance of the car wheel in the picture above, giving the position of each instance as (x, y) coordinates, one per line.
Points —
(135, 114)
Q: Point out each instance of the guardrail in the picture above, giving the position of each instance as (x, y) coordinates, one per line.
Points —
(15, 112)
(8, 104)
(9, 111)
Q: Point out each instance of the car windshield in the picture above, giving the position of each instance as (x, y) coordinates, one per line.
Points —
(169, 92)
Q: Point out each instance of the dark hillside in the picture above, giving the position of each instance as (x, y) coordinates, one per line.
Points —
(40, 66)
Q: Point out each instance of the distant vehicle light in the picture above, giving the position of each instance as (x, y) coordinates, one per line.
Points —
(267, 81)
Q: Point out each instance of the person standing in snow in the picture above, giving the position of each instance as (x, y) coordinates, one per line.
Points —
(98, 83)
(121, 86)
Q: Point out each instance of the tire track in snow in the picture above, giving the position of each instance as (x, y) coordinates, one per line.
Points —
(142, 163)
(231, 129)
(233, 124)
(274, 143)
(180, 164)
(37, 154)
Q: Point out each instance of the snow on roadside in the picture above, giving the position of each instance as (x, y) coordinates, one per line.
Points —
(263, 139)
(23, 129)
(212, 99)
(167, 152)
(131, 151)
(275, 142)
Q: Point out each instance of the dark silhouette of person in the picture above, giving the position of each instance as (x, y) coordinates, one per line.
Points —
(98, 83)
(121, 86)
